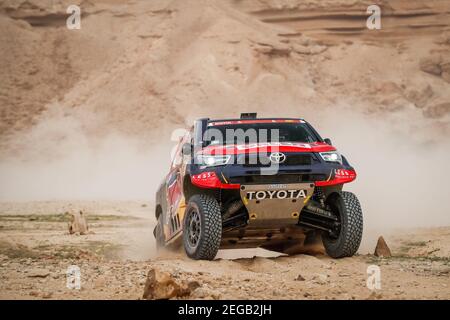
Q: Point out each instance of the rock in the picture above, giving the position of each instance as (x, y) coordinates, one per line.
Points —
(192, 285)
(343, 274)
(206, 293)
(437, 65)
(438, 110)
(337, 83)
(161, 285)
(301, 49)
(420, 97)
(320, 278)
(47, 295)
(308, 49)
(38, 273)
(431, 65)
(382, 249)
(299, 278)
(272, 49)
(78, 225)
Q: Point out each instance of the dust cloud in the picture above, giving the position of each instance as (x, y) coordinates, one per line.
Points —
(60, 162)
(401, 162)
(60, 165)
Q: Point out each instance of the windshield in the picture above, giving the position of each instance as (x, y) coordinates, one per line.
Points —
(258, 133)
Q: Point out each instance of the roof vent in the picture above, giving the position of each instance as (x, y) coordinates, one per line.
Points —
(248, 115)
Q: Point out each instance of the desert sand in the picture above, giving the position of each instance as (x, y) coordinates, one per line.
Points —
(36, 250)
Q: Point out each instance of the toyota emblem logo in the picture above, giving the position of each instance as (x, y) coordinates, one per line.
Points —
(277, 157)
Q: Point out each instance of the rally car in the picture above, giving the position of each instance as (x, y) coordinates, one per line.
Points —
(257, 182)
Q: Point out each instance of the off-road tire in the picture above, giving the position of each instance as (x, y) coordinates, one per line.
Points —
(346, 204)
(159, 234)
(210, 227)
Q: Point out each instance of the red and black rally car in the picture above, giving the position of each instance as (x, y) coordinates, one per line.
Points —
(252, 182)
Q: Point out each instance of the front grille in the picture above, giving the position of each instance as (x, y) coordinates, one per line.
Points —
(263, 160)
(277, 179)
(298, 160)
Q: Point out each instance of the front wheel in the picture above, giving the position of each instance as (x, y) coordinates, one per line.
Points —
(158, 232)
(202, 227)
(344, 243)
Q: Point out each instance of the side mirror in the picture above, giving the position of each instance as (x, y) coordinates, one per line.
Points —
(327, 141)
(186, 149)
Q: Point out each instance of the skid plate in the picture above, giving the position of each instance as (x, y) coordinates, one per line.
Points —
(275, 204)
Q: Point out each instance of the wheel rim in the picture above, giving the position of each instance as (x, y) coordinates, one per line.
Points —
(193, 228)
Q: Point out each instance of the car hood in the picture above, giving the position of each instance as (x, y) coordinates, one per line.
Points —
(267, 147)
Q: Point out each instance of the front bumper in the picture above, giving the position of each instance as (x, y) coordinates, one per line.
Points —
(318, 172)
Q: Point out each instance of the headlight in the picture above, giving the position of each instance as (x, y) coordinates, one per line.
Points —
(332, 156)
(211, 161)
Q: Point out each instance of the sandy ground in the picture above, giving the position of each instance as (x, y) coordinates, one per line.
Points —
(36, 250)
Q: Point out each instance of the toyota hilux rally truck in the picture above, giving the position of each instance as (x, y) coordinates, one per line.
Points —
(231, 188)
